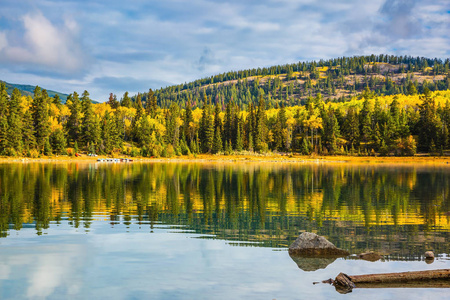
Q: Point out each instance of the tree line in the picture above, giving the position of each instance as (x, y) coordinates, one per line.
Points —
(366, 125)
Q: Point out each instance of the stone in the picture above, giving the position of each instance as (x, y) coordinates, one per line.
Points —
(370, 256)
(309, 244)
(429, 255)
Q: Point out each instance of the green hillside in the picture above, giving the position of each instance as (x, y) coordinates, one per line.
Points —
(29, 90)
(335, 80)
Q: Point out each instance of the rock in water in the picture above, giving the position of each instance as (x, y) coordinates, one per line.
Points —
(313, 245)
(429, 255)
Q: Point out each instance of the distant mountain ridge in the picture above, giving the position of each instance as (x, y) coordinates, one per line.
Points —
(29, 90)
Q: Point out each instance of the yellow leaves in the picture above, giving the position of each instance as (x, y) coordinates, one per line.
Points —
(101, 108)
(197, 114)
(54, 124)
(313, 122)
(54, 110)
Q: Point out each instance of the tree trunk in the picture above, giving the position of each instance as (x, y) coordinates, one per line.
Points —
(430, 278)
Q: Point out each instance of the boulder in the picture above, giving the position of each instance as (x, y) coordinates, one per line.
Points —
(429, 255)
(312, 245)
(370, 256)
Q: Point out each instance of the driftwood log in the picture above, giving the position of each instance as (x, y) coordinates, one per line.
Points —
(430, 278)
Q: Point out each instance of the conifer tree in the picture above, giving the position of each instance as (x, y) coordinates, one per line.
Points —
(206, 129)
(29, 141)
(112, 101)
(217, 143)
(428, 121)
(139, 114)
(239, 136)
(3, 117)
(15, 122)
(90, 129)
(58, 142)
(188, 130)
(172, 128)
(151, 104)
(41, 123)
(126, 101)
(74, 122)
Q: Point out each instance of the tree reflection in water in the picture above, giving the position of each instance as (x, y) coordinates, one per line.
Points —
(400, 212)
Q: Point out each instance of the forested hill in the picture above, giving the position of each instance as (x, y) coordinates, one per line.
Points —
(28, 90)
(291, 84)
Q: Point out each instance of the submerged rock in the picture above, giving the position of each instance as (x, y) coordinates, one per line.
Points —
(312, 245)
(370, 256)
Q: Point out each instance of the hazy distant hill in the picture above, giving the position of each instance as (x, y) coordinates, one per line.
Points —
(29, 90)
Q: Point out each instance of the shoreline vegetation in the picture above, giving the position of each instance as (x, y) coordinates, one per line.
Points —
(247, 158)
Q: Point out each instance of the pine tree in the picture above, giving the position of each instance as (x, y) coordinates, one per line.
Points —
(217, 143)
(428, 121)
(58, 142)
(126, 101)
(172, 129)
(15, 122)
(351, 126)
(41, 123)
(206, 129)
(74, 122)
(239, 136)
(3, 118)
(90, 130)
(139, 114)
(29, 141)
(112, 101)
(188, 130)
(331, 132)
(261, 129)
(110, 134)
(151, 104)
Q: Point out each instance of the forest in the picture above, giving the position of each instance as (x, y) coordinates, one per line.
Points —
(246, 112)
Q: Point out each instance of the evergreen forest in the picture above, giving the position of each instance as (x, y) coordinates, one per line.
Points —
(367, 105)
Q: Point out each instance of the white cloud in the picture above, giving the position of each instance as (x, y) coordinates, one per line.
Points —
(44, 45)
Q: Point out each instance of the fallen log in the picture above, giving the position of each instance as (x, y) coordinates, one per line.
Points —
(401, 279)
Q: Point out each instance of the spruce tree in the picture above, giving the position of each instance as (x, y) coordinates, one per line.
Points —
(151, 105)
(90, 132)
(15, 122)
(239, 136)
(58, 142)
(41, 122)
(188, 130)
(74, 121)
(3, 118)
(206, 129)
(428, 121)
(29, 141)
(126, 101)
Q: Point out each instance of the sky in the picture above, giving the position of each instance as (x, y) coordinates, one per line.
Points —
(113, 46)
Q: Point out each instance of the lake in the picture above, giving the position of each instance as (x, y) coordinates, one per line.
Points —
(180, 230)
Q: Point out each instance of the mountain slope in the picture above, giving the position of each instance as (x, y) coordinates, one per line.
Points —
(292, 84)
(28, 90)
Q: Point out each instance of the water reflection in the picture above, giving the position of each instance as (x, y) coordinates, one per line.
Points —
(399, 212)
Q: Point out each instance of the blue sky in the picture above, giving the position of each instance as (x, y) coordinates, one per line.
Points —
(117, 46)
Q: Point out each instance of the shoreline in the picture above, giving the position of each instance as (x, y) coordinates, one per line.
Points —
(257, 158)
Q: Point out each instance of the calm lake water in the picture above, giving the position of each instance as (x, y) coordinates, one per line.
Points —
(214, 231)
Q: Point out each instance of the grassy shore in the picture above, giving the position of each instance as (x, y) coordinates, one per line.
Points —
(271, 157)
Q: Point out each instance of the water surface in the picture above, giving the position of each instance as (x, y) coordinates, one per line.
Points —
(213, 231)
